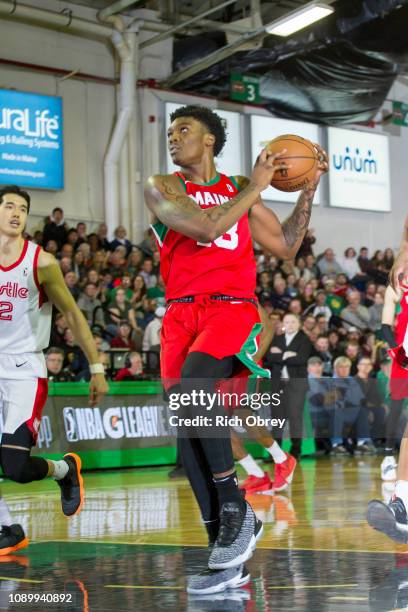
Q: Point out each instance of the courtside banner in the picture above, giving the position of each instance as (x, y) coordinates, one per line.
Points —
(31, 140)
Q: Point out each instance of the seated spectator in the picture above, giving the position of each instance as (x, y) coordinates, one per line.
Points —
(300, 270)
(291, 288)
(151, 337)
(328, 266)
(306, 248)
(369, 293)
(134, 262)
(309, 324)
(65, 265)
(120, 309)
(307, 296)
(319, 306)
(134, 369)
(93, 242)
(375, 312)
(156, 262)
(81, 234)
(388, 259)
(124, 283)
(101, 344)
(58, 331)
(318, 387)
(56, 228)
(312, 267)
(158, 292)
(75, 359)
(121, 240)
(72, 236)
(364, 261)
(79, 264)
(264, 288)
(295, 307)
(334, 343)
(335, 302)
(353, 353)
(355, 315)
(147, 273)
(51, 247)
(279, 298)
(100, 261)
(102, 234)
(116, 263)
(85, 374)
(321, 324)
(123, 338)
(342, 286)
(54, 360)
(321, 347)
(66, 251)
(372, 399)
(345, 408)
(85, 249)
(71, 281)
(349, 263)
(91, 306)
(378, 271)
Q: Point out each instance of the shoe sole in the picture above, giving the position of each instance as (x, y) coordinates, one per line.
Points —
(78, 463)
(380, 517)
(247, 554)
(290, 477)
(282, 488)
(264, 487)
(6, 551)
(233, 583)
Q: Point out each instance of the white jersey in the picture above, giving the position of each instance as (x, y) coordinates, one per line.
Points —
(25, 313)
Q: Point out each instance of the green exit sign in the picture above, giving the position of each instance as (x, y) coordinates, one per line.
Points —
(400, 113)
(244, 88)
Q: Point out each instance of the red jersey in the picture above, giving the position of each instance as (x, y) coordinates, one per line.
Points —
(226, 266)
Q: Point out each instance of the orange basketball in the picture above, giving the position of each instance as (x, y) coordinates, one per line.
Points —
(300, 155)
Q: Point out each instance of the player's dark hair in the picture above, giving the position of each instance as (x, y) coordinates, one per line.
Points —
(207, 117)
(16, 190)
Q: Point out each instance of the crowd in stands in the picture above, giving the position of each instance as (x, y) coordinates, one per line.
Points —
(336, 298)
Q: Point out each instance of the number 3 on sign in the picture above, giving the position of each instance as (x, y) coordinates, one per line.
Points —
(230, 243)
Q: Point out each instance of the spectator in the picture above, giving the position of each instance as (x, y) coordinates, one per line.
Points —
(349, 263)
(347, 407)
(312, 267)
(85, 374)
(334, 340)
(388, 259)
(363, 261)
(151, 338)
(279, 298)
(307, 296)
(375, 312)
(291, 289)
(335, 302)
(120, 309)
(93, 242)
(91, 306)
(309, 324)
(81, 234)
(295, 307)
(121, 240)
(300, 270)
(102, 234)
(322, 350)
(328, 265)
(123, 337)
(306, 248)
(352, 352)
(147, 273)
(134, 369)
(124, 283)
(65, 265)
(72, 236)
(342, 286)
(55, 229)
(379, 272)
(369, 293)
(158, 292)
(355, 315)
(55, 361)
(372, 399)
(71, 281)
(321, 324)
(318, 388)
(51, 247)
(66, 251)
(58, 330)
(79, 264)
(134, 262)
(75, 359)
(319, 306)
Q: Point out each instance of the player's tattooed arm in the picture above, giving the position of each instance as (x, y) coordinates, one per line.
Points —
(169, 203)
(295, 226)
(52, 282)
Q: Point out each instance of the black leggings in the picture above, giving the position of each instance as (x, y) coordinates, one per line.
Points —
(17, 464)
(391, 426)
(202, 457)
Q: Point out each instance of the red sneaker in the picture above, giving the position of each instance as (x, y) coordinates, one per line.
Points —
(252, 484)
(284, 473)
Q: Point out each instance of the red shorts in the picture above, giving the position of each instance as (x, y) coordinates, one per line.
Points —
(398, 381)
(218, 328)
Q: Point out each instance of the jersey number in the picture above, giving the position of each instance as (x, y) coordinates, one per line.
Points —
(229, 243)
(6, 307)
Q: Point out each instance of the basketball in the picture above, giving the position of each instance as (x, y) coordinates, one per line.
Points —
(300, 155)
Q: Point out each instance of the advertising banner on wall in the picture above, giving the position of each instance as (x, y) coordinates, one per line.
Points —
(264, 129)
(230, 159)
(359, 174)
(31, 140)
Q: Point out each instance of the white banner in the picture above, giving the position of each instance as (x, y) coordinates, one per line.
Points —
(359, 174)
(229, 161)
(264, 129)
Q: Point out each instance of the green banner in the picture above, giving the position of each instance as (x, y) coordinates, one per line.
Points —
(400, 113)
(244, 88)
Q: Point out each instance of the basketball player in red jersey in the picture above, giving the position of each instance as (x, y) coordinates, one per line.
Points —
(204, 224)
(392, 518)
(30, 283)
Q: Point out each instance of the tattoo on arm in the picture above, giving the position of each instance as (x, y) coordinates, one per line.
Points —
(295, 226)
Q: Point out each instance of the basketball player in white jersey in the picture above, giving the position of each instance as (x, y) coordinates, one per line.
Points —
(30, 283)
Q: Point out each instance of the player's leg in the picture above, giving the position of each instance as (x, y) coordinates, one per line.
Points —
(257, 479)
(239, 528)
(24, 401)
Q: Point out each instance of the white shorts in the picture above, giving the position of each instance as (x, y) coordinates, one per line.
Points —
(23, 391)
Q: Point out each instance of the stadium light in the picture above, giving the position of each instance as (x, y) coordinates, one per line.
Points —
(299, 19)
